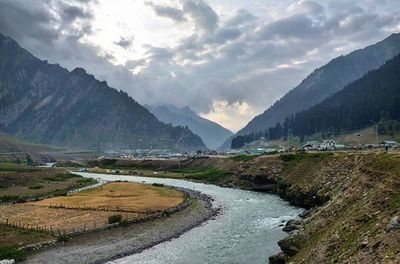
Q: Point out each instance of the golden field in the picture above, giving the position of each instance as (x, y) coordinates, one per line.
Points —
(91, 208)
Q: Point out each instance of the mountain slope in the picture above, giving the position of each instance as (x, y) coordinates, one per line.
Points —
(46, 103)
(212, 133)
(324, 82)
(373, 98)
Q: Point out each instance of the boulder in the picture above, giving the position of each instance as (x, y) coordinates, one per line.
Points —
(305, 213)
(292, 225)
(291, 245)
(393, 224)
(279, 258)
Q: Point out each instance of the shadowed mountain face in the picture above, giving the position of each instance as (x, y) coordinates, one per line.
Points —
(46, 103)
(212, 133)
(324, 82)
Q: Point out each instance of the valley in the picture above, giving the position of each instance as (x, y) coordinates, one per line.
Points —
(199, 132)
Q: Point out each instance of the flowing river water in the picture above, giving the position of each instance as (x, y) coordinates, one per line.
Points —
(246, 231)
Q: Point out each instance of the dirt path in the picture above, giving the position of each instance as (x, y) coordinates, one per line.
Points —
(115, 243)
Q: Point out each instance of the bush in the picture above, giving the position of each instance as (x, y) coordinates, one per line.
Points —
(12, 252)
(244, 157)
(35, 187)
(114, 219)
(63, 238)
(60, 177)
(124, 223)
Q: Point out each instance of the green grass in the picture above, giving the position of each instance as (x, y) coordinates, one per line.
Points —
(58, 192)
(12, 252)
(210, 175)
(63, 238)
(190, 170)
(60, 177)
(302, 156)
(86, 181)
(387, 162)
(244, 157)
(15, 167)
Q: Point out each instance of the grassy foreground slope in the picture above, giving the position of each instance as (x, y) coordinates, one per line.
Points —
(352, 196)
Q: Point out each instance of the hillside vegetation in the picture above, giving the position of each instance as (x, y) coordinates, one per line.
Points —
(324, 82)
(45, 103)
(369, 100)
(352, 196)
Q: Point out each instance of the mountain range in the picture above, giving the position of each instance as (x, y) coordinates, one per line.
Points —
(372, 99)
(45, 103)
(211, 133)
(324, 82)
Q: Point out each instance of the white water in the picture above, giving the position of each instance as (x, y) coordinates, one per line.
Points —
(246, 232)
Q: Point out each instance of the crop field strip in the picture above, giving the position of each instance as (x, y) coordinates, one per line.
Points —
(90, 209)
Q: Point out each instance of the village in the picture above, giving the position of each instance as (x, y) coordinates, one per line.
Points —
(259, 147)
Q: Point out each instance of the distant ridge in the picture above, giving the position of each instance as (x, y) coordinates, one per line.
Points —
(324, 82)
(372, 99)
(211, 133)
(47, 104)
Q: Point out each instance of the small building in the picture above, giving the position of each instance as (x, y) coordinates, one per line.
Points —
(310, 145)
(327, 145)
(390, 144)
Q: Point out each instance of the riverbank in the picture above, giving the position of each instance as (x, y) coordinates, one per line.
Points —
(100, 247)
(353, 199)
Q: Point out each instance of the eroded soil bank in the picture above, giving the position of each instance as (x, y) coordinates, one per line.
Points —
(115, 243)
(354, 199)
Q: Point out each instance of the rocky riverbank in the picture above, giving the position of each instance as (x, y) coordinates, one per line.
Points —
(352, 200)
(106, 245)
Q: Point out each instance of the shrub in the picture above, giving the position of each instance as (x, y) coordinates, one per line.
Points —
(244, 157)
(114, 219)
(124, 223)
(63, 238)
(85, 180)
(60, 177)
(12, 252)
(35, 187)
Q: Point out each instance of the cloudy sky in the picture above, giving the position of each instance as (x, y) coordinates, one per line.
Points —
(227, 59)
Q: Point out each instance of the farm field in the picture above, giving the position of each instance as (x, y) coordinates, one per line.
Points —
(19, 182)
(90, 208)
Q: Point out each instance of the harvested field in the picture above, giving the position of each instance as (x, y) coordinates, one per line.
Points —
(15, 236)
(91, 208)
(119, 196)
(19, 182)
(30, 216)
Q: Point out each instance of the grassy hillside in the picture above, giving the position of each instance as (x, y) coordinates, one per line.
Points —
(352, 196)
(10, 144)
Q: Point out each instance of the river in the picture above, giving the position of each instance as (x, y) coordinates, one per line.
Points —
(246, 231)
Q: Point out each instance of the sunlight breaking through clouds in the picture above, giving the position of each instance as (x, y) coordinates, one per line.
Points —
(197, 52)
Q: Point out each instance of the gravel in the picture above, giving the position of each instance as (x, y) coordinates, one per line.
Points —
(122, 241)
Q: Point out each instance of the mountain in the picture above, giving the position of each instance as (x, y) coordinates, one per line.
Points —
(372, 99)
(324, 82)
(45, 103)
(212, 133)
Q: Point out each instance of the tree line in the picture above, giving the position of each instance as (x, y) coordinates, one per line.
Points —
(372, 99)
